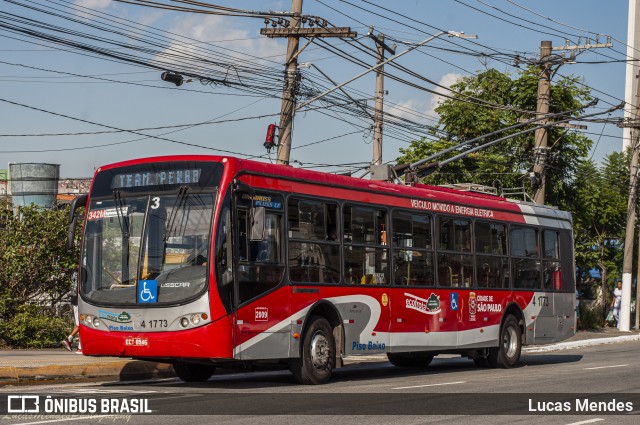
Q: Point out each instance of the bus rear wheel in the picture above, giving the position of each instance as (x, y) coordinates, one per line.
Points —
(191, 372)
(318, 356)
(507, 354)
(410, 359)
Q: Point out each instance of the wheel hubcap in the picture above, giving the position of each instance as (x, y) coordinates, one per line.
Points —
(319, 351)
(509, 342)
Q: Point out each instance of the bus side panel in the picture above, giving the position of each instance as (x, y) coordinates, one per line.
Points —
(422, 320)
(264, 327)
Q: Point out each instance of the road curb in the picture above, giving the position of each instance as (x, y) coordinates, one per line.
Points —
(581, 343)
(120, 370)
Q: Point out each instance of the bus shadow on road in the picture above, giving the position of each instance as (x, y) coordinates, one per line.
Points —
(265, 378)
(549, 359)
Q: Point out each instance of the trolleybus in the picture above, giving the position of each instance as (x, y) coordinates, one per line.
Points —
(202, 261)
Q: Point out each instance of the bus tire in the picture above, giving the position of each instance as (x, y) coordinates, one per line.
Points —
(507, 354)
(410, 359)
(191, 372)
(318, 356)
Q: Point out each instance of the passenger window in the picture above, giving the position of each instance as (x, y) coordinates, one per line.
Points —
(366, 257)
(412, 249)
(492, 263)
(524, 242)
(314, 253)
(454, 234)
(526, 271)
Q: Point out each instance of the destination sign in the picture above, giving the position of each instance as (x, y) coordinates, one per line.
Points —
(156, 178)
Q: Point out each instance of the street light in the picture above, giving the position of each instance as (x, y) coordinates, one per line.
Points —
(172, 77)
(392, 58)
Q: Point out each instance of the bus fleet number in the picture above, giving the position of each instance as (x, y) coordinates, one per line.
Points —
(154, 324)
(542, 301)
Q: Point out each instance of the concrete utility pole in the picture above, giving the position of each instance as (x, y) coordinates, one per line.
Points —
(544, 100)
(631, 83)
(293, 31)
(542, 108)
(290, 87)
(627, 267)
(379, 105)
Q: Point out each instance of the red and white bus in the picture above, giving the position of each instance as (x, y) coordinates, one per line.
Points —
(202, 261)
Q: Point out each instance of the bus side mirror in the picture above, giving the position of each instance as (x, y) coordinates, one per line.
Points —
(257, 223)
(78, 201)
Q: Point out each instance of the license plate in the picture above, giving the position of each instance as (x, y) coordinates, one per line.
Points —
(136, 342)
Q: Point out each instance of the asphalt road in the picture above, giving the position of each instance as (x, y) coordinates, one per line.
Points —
(452, 390)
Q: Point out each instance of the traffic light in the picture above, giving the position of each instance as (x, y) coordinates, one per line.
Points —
(269, 141)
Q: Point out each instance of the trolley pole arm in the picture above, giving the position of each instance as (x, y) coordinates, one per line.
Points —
(513, 127)
(438, 165)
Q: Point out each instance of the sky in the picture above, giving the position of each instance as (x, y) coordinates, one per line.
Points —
(65, 103)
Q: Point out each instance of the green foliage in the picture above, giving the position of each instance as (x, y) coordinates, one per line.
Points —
(595, 195)
(599, 207)
(591, 317)
(33, 326)
(463, 118)
(35, 276)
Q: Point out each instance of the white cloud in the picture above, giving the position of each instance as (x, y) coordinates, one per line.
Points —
(447, 80)
(94, 4)
(423, 110)
(226, 33)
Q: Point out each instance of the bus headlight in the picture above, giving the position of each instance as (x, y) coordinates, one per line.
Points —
(195, 319)
(184, 322)
(96, 322)
(88, 320)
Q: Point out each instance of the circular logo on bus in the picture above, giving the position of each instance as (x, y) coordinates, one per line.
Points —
(385, 299)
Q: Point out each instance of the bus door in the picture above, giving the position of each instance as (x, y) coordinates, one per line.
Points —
(261, 328)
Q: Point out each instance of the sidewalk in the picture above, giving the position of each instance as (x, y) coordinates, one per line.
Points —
(22, 367)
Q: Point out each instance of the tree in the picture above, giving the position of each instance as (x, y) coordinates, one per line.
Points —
(599, 207)
(508, 162)
(35, 275)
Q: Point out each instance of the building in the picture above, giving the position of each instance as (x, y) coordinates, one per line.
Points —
(4, 182)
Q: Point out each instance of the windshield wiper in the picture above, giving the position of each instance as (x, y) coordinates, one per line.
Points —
(125, 229)
(180, 198)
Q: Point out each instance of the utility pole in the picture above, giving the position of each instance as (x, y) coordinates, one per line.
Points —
(379, 105)
(627, 267)
(630, 86)
(542, 108)
(293, 30)
(539, 180)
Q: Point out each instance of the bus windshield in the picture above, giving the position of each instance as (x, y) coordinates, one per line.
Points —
(147, 248)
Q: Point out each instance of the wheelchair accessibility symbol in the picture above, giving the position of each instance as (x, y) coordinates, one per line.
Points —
(148, 291)
(453, 301)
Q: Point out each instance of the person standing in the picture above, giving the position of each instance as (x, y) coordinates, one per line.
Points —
(615, 303)
(66, 343)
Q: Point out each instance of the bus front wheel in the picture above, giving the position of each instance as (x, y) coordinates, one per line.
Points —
(507, 354)
(191, 372)
(317, 359)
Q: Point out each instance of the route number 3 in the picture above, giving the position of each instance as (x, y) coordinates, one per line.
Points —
(155, 202)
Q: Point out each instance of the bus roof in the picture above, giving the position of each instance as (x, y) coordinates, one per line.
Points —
(420, 191)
